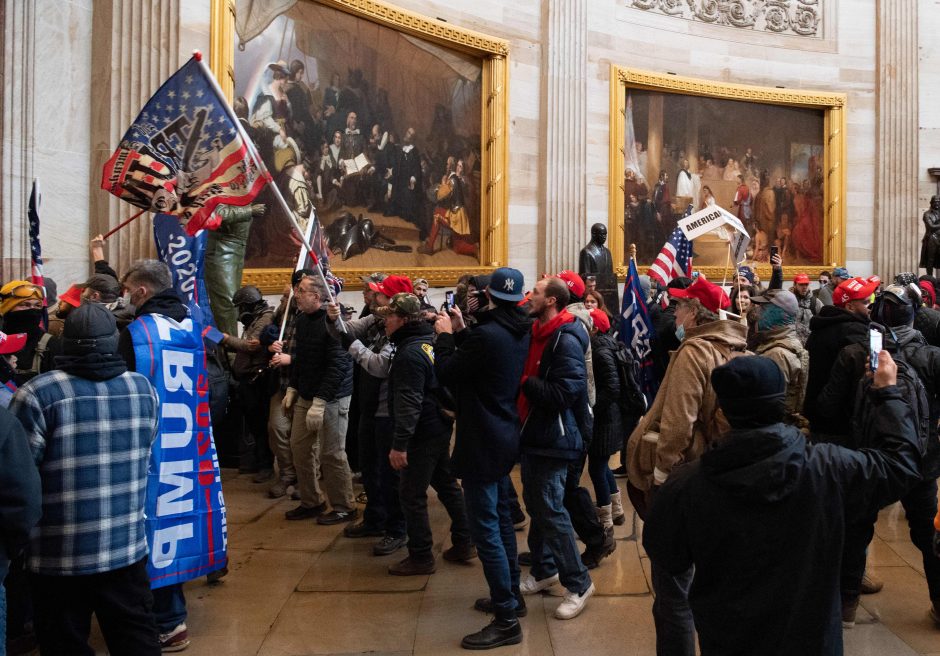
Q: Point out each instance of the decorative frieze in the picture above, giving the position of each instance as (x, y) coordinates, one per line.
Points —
(792, 17)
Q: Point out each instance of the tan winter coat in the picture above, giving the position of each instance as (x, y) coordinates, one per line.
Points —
(783, 347)
(685, 412)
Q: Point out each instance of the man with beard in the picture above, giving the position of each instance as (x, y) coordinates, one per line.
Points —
(554, 411)
(408, 184)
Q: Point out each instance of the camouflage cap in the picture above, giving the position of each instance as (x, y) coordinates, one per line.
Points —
(403, 304)
(376, 277)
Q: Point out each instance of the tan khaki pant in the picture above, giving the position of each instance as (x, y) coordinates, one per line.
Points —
(324, 450)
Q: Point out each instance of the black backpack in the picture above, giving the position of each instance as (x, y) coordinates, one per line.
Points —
(632, 402)
(912, 390)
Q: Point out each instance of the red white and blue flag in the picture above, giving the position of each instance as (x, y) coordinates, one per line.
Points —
(185, 153)
(35, 250)
(675, 258)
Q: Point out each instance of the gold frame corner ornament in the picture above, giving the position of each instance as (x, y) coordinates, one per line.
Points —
(494, 58)
(833, 105)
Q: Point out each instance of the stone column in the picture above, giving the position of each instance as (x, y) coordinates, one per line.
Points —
(897, 218)
(16, 162)
(136, 48)
(565, 189)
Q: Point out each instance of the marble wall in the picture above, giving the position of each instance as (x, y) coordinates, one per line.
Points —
(76, 72)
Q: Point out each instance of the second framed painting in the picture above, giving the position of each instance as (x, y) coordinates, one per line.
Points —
(773, 157)
(390, 125)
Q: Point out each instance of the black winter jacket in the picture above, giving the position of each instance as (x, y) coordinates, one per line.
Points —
(320, 367)
(664, 341)
(762, 518)
(608, 419)
(831, 330)
(559, 413)
(927, 321)
(838, 397)
(484, 373)
(413, 388)
(20, 490)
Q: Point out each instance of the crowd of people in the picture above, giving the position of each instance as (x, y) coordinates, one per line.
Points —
(759, 466)
(343, 146)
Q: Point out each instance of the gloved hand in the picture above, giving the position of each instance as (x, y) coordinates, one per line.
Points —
(315, 415)
(936, 543)
(289, 397)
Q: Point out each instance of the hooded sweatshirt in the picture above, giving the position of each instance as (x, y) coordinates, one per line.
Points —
(762, 518)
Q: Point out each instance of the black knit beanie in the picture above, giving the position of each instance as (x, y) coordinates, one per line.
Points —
(751, 391)
(90, 328)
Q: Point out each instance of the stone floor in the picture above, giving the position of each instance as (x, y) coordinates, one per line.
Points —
(298, 588)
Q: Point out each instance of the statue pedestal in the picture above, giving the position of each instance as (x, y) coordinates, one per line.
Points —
(607, 286)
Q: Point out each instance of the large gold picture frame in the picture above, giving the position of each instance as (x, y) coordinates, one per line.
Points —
(493, 54)
(832, 105)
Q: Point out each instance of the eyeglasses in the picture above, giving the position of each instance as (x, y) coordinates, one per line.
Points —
(25, 291)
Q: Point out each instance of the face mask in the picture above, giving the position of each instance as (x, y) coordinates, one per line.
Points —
(680, 332)
(23, 321)
(245, 318)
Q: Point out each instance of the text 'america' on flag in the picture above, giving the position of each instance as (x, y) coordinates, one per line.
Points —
(674, 260)
(184, 154)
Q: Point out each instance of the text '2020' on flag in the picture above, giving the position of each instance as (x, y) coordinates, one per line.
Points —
(185, 154)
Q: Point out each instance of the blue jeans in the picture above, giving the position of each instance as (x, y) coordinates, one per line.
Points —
(602, 478)
(169, 607)
(675, 630)
(551, 536)
(491, 529)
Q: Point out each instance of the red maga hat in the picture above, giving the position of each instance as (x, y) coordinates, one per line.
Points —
(574, 282)
(11, 343)
(393, 285)
(854, 289)
(800, 278)
(711, 296)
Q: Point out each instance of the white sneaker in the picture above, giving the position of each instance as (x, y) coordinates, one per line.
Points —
(573, 604)
(529, 585)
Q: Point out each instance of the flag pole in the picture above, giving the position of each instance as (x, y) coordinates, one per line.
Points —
(277, 192)
(121, 225)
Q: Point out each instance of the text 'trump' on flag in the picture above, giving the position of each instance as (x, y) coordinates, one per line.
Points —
(184, 155)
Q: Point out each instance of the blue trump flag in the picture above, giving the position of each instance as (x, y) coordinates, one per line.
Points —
(636, 331)
(185, 256)
(184, 511)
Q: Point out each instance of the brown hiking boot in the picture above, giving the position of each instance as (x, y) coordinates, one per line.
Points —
(870, 585)
(411, 567)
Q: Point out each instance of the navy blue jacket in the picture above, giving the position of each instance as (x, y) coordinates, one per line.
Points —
(559, 412)
(484, 374)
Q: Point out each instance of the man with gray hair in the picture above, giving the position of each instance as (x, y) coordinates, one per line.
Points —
(317, 401)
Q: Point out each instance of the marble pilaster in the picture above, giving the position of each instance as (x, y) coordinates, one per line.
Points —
(897, 220)
(135, 48)
(566, 134)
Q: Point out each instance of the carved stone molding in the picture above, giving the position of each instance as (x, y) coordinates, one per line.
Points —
(791, 17)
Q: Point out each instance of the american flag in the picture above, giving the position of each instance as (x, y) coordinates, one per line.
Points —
(675, 258)
(320, 255)
(35, 249)
(184, 154)
(636, 331)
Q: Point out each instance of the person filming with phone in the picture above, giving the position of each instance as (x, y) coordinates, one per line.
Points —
(918, 380)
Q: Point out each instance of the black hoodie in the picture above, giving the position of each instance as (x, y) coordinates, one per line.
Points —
(168, 303)
(484, 373)
(830, 330)
(762, 518)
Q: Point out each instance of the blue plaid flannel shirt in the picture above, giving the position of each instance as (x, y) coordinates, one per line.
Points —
(91, 441)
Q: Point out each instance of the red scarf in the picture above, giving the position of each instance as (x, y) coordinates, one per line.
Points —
(541, 333)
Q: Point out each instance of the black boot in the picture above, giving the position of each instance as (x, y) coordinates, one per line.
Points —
(594, 554)
(495, 634)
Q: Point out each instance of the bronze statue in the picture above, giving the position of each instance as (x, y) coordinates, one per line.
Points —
(597, 262)
(930, 245)
(225, 261)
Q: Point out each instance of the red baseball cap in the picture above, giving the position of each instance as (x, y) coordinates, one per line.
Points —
(800, 279)
(600, 319)
(393, 285)
(711, 296)
(73, 296)
(11, 343)
(574, 282)
(854, 289)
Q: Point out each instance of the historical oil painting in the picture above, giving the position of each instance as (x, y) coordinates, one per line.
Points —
(377, 130)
